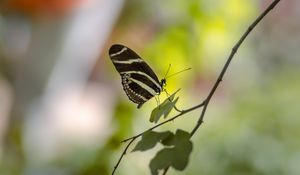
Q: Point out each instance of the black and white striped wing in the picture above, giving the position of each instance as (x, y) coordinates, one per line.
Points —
(139, 81)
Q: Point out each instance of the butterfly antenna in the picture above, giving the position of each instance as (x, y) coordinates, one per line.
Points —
(167, 71)
(178, 72)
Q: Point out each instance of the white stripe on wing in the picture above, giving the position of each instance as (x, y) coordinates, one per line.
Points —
(118, 53)
(138, 60)
(144, 74)
(144, 86)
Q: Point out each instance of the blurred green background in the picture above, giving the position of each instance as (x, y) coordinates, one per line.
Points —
(63, 111)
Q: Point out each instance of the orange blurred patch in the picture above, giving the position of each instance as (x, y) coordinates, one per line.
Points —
(41, 7)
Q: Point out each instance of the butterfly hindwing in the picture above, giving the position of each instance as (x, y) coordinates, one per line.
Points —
(139, 81)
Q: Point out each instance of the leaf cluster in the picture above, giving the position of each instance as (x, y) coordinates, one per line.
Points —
(175, 152)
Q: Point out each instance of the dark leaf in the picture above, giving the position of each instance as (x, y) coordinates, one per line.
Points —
(183, 148)
(168, 141)
(162, 159)
(176, 156)
(149, 140)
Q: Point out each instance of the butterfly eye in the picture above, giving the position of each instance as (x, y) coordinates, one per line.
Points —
(163, 82)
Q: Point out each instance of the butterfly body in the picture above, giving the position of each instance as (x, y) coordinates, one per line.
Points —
(139, 81)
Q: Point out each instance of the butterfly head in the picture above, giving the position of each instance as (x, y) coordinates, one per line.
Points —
(163, 82)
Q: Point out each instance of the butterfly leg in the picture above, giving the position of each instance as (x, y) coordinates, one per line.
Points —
(157, 100)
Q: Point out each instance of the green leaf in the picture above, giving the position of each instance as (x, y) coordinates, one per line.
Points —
(169, 140)
(162, 160)
(169, 107)
(183, 148)
(149, 140)
(176, 139)
(164, 108)
(176, 156)
(182, 135)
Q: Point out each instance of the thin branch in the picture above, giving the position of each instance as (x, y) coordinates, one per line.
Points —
(234, 50)
(122, 155)
(166, 121)
(178, 110)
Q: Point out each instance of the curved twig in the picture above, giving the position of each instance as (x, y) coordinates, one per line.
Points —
(122, 155)
(233, 51)
(166, 121)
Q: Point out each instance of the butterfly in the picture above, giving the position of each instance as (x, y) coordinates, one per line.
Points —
(139, 81)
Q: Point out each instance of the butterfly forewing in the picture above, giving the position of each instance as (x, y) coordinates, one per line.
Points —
(139, 81)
